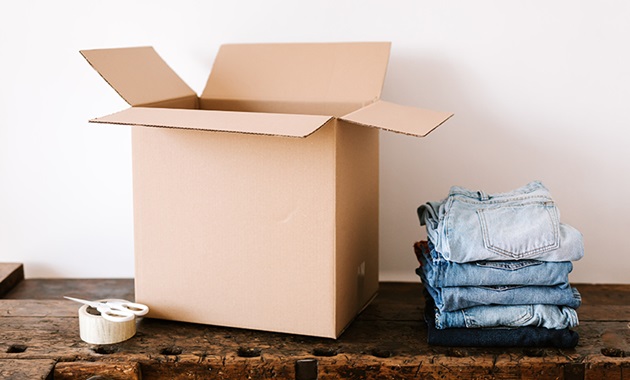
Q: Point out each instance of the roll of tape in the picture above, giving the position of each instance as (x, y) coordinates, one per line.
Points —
(95, 329)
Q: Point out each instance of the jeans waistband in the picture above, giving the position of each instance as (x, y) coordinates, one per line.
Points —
(534, 186)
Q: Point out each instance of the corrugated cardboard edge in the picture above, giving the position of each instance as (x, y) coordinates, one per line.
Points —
(382, 115)
(139, 75)
(396, 118)
(287, 125)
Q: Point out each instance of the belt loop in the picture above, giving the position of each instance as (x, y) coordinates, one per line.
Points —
(482, 195)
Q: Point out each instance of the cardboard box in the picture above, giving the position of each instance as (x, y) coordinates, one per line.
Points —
(256, 203)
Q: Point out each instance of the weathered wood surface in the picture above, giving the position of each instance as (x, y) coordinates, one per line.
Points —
(87, 370)
(388, 340)
(55, 289)
(35, 369)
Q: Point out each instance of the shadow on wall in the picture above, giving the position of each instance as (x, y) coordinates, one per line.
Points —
(481, 147)
(34, 269)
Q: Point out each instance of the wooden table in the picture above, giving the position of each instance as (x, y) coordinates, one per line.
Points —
(39, 339)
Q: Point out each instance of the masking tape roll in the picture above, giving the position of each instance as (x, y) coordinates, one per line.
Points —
(95, 329)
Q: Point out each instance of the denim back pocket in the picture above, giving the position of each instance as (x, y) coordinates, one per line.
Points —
(521, 230)
(498, 316)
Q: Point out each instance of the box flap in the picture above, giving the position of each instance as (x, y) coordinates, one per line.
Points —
(299, 73)
(396, 118)
(242, 122)
(139, 75)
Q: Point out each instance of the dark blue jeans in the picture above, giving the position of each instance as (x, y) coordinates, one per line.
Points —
(526, 336)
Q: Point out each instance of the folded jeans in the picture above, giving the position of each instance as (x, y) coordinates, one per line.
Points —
(443, 273)
(547, 316)
(460, 297)
(521, 224)
(527, 336)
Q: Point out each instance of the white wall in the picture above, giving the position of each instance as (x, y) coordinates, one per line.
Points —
(540, 90)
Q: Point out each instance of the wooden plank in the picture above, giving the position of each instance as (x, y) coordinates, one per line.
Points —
(611, 313)
(38, 308)
(14, 369)
(109, 371)
(10, 275)
(604, 294)
(388, 340)
(331, 369)
(607, 369)
(43, 289)
(40, 338)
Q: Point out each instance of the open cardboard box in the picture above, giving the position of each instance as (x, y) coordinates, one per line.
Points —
(256, 203)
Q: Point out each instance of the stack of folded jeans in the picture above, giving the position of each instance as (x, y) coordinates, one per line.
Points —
(495, 269)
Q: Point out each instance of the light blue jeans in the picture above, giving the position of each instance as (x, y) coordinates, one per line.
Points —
(461, 297)
(548, 316)
(442, 273)
(521, 336)
(520, 224)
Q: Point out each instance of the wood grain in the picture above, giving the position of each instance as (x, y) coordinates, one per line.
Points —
(21, 369)
(387, 341)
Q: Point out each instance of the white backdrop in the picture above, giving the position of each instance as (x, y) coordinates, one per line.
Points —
(539, 89)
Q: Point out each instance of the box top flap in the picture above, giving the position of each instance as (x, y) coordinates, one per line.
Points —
(299, 72)
(289, 125)
(396, 118)
(139, 74)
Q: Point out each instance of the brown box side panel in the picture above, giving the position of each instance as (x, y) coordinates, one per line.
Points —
(234, 229)
(357, 219)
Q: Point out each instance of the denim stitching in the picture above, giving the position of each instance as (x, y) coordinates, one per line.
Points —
(527, 316)
(546, 248)
(501, 288)
(511, 266)
(530, 198)
(519, 321)
(469, 321)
